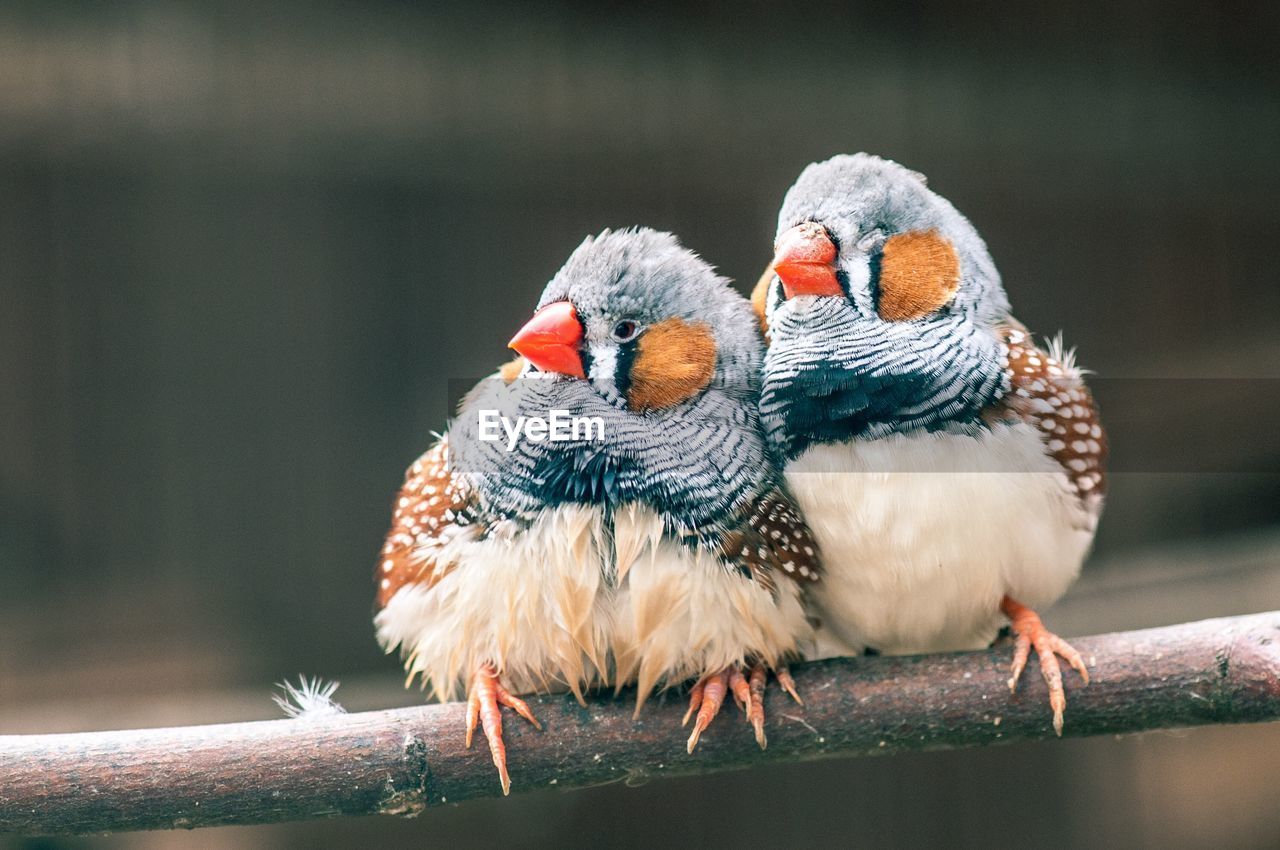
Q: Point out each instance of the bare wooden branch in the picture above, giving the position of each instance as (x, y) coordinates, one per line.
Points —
(402, 761)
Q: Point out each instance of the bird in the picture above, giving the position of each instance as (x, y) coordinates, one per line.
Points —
(657, 549)
(951, 469)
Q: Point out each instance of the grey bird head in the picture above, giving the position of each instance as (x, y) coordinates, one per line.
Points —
(881, 306)
(639, 334)
(627, 288)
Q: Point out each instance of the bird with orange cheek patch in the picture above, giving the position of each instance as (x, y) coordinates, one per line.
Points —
(623, 524)
(950, 468)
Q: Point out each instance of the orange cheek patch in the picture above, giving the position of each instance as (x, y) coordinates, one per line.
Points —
(759, 299)
(674, 362)
(919, 272)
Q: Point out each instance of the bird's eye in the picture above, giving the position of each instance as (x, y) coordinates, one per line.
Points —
(871, 241)
(625, 331)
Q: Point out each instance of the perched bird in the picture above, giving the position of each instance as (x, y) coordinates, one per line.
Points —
(655, 548)
(951, 470)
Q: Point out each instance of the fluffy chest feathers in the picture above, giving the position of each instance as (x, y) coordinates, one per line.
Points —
(574, 602)
(923, 533)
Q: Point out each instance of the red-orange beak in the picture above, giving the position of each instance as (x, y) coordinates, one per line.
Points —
(805, 261)
(550, 340)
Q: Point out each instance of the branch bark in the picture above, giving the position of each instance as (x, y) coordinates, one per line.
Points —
(403, 761)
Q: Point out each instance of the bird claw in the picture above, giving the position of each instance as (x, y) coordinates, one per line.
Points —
(788, 684)
(487, 694)
(707, 697)
(695, 700)
(755, 710)
(1030, 633)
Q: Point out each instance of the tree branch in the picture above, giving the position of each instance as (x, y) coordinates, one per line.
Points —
(405, 760)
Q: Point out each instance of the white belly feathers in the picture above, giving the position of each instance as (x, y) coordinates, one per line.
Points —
(922, 534)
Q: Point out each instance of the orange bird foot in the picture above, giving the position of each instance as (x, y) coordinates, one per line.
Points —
(1029, 632)
(748, 692)
(483, 702)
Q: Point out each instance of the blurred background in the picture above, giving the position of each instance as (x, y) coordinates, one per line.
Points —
(243, 250)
